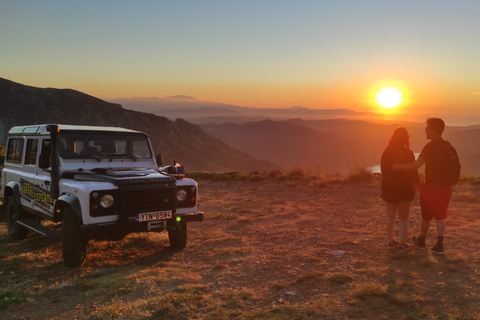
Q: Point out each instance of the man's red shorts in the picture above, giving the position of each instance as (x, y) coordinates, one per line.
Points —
(434, 201)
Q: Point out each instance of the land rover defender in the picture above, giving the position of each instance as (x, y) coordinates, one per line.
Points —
(99, 183)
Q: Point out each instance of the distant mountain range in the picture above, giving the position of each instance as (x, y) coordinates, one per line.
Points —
(180, 140)
(231, 137)
(328, 140)
(197, 111)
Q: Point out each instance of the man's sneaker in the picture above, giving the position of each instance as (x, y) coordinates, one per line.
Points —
(392, 245)
(438, 248)
(404, 247)
(419, 242)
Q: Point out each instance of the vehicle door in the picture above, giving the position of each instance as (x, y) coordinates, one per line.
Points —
(14, 168)
(27, 177)
(42, 201)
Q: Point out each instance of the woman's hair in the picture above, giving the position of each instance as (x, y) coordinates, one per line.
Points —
(399, 138)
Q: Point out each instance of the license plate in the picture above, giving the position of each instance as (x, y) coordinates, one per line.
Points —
(152, 216)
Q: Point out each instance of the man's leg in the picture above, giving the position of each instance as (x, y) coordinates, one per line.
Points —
(424, 227)
(443, 199)
(438, 247)
(440, 227)
(427, 215)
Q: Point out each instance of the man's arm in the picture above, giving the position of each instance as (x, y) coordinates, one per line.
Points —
(409, 166)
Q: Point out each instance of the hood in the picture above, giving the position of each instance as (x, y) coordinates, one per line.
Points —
(120, 176)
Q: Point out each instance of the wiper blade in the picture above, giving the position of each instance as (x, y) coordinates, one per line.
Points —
(84, 156)
(119, 155)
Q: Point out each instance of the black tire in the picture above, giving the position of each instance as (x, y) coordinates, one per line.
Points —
(14, 213)
(74, 245)
(177, 235)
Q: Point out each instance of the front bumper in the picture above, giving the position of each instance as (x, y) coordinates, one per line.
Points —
(194, 216)
(120, 228)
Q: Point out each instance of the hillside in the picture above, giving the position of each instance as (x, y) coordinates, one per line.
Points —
(179, 139)
(286, 144)
(337, 145)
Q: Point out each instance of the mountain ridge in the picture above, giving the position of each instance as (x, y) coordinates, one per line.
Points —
(180, 140)
(196, 111)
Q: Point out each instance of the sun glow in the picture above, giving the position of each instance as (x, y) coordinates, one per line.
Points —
(389, 97)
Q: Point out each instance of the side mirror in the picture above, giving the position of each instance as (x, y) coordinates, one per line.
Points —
(181, 170)
(44, 161)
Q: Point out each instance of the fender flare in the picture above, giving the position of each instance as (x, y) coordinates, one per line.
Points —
(12, 189)
(70, 200)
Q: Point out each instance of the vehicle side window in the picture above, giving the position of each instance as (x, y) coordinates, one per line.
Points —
(32, 148)
(15, 150)
(47, 150)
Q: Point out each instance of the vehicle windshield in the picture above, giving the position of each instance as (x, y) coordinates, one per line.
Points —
(103, 145)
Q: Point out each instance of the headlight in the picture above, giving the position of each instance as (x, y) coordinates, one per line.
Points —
(181, 195)
(106, 201)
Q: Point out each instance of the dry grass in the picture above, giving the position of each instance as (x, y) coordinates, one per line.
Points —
(274, 248)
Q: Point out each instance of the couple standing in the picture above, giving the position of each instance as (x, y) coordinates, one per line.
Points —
(400, 178)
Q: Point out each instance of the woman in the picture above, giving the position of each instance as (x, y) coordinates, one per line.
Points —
(398, 187)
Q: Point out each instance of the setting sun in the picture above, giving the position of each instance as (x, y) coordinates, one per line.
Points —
(389, 97)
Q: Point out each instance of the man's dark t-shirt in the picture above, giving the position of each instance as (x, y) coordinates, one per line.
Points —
(433, 153)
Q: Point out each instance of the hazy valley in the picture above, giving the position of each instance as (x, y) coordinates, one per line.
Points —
(325, 140)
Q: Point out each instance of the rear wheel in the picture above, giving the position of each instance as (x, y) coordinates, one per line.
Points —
(15, 213)
(73, 243)
(177, 235)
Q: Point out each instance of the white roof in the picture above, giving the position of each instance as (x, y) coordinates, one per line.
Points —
(42, 129)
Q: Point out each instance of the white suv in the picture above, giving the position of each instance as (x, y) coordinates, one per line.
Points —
(100, 182)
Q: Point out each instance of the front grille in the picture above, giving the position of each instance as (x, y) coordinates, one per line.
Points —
(148, 198)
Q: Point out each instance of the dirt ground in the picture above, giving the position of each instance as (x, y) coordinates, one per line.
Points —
(291, 249)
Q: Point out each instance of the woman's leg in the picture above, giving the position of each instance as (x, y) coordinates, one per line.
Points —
(403, 215)
(391, 213)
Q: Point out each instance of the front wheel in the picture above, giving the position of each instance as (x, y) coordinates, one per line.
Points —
(15, 213)
(74, 245)
(177, 235)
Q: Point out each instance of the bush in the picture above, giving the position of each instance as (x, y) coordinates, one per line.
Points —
(469, 180)
(298, 173)
(200, 175)
(362, 175)
(230, 176)
(275, 174)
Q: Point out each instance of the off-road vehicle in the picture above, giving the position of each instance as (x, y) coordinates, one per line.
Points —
(97, 183)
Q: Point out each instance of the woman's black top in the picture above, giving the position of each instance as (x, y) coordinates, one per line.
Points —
(397, 185)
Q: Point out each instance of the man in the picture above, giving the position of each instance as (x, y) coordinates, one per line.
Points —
(436, 191)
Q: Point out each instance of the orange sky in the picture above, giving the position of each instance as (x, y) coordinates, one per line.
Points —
(266, 54)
